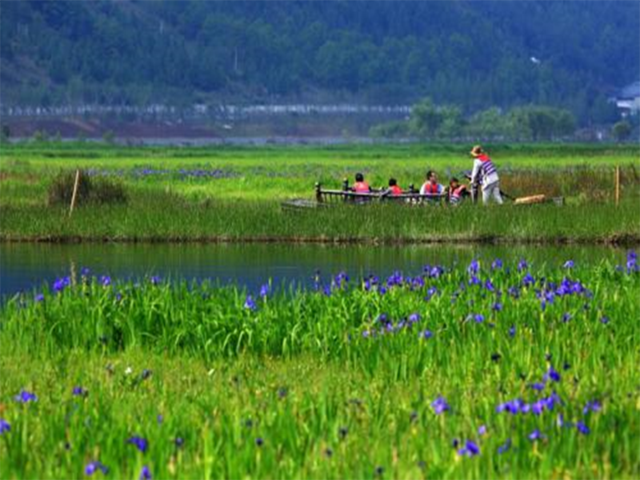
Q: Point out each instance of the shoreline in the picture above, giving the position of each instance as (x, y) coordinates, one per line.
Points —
(615, 240)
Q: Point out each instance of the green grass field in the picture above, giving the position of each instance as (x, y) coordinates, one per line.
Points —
(229, 193)
(479, 371)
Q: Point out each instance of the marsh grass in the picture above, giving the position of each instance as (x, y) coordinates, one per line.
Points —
(325, 400)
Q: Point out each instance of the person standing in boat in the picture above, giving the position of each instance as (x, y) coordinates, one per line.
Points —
(485, 173)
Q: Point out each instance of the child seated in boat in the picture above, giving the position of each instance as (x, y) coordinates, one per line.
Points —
(394, 189)
(456, 191)
(361, 186)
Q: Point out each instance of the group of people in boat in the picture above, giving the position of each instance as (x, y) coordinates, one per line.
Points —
(484, 177)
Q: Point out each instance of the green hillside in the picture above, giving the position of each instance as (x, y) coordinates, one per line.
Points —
(472, 54)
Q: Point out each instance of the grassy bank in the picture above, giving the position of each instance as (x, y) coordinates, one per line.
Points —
(232, 193)
(169, 218)
(479, 371)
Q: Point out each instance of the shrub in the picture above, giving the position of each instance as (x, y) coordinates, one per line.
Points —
(90, 190)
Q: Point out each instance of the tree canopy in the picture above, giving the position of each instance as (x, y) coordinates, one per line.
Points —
(473, 55)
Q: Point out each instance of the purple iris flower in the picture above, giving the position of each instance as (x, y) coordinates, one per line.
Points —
(440, 405)
(426, 334)
(538, 386)
(566, 317)
(79, 392)
(155, 280)
(552, 374)
(470, 449)
(497, 307)
(145, 473)
(39, 297)
(139, 442)
(604, 320)
(93, 467)
(4, 426)
(528, 280)
(569, 264)
(179, 442)
(497, 263)
(489, 285)
(536, 435)
(259, 441)
(504, 447)
(26, 397)
(482, 430)
(414, 317)
(592, 406)
(250, 304)
(264, 290)
(582, 428)
(522, 265)
(478, 317)
(512, 331)
(473, 267)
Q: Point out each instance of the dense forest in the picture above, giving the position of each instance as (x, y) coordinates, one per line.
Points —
(473, 54)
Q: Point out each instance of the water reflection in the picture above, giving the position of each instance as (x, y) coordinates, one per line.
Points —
(26, 266)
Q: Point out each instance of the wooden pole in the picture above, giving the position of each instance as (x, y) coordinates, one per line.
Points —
(617, 185)
(75, 192)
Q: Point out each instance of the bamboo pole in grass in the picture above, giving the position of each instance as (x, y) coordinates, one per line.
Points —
(75, 192)
(617, 185)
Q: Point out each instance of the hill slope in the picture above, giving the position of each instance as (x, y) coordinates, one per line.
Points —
(474, 54)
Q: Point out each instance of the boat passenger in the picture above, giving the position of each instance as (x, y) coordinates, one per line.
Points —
(431, 186)
(456, 192)
(485, 173)
(394, 189)
(361, 186)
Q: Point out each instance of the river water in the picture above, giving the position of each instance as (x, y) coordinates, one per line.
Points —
(26, 267)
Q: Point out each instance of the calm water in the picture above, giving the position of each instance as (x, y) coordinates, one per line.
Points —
(24, 267)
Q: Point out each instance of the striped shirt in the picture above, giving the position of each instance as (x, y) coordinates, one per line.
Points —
(484, 171)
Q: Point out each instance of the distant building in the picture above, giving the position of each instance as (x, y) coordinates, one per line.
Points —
(628, 99)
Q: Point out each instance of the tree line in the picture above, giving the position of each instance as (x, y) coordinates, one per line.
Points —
(571, 55)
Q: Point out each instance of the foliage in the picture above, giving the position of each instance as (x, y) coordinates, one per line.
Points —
(204, 51)
(90, 190)
(454, 371)
(621, 130)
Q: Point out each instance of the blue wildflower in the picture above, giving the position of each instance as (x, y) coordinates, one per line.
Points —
(440, 405)
(105, 280)
(139, 442)
(414, 317)
(265, 290)
(426, 334)
(93, 467)
(79, 392)
(479, 318)
(497, 263)
(536, 435)
(566, 317)
(470, 449)
(582, 428)
(552, 374)
(482, 430)
(154, 280)
(569, 264)
(250, 304)
(522, 265)
(259, 441)
(26, 397)
(145, 473)
(38, 298)
(604, 320)
(592, 406)
(497, 307)
(473, 267)
(179, 442)
(504, 447)
(4, 426)
(512, 331)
